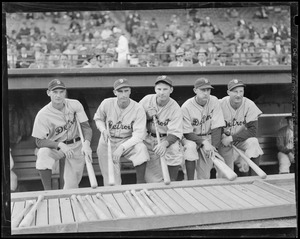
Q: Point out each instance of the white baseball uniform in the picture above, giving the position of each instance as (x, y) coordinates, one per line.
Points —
(169, 121)
(126, 127)
(200, 120)
(235, 122)
(60, 126)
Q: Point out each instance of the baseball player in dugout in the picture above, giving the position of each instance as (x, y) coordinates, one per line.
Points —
(285, 145)
(241, 118)
(202, 127)
(122, 121)
(57, 137)
(169, 120)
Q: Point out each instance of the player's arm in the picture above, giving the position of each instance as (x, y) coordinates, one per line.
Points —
(249, 131)
(193, 137)
(216, 136)
(280, 142)
(86, 131)
(46, 143)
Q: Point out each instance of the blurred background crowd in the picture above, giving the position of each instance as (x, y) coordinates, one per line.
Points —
(150, 38)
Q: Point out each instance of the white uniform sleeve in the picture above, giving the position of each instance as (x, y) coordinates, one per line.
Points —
(217, 117)
(40, 127)
(187, 124)
(253, 111)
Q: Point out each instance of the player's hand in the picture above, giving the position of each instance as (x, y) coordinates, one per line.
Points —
(151, 111)
(291, 157)
(86, 150)
(117, 154)
(160, 149)
(105, 134)
(226, 141)
(66, 150)
(208, 148)
(242, 165)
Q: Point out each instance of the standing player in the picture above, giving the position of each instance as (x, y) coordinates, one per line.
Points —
(202, 127)
(169, 118)
(241, 118)
(285, 145)
(126, 120)
(57, 137)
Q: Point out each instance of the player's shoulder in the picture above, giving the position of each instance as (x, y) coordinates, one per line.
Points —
(174, 103)
(224, 99)
(187, 102)
(214, 98)
(148, 97)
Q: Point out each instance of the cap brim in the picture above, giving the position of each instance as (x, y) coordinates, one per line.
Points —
(122, 86)
(237, 86)
(205, 87)
(58, 87)
(162, 81)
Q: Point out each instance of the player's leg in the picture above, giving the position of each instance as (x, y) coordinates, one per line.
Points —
(139, 156)
(284, 162)
(190, 155)
(45, 162)
(203, 167)
(174, 159)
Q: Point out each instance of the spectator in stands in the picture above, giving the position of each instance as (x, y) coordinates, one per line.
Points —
(39, 63)
(106, 33)
(207, 35)
(222, 60)
(92, 62)
(285, 145)
(122, 47)
(234, 13)
(136, 19)
(53, 59)
(24, 59)
(217, 32)
(128, 22)
(207, 22)
(64, 62)
(269, 55)
(189, 56)
(162, 49)
(24, 30)
(72, 54)
(23, 42)
(286, 53)
(110, 59)
(202, 58)
(283, 31)
(153, 24)
(254, 57)
(82, 56)
(53, 35)
(261, 13)
(212, 51)
(257, 40)
(11, 57)
(179, 59)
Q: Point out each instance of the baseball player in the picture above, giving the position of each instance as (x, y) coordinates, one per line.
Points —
(57, 137)
(285, 145)
(126, 120)
(202, 127)
(169, 118)
(241, 118)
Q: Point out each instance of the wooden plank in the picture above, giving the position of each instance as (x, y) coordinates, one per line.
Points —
(102, 206)
(253, 195)
(191, 200)
(269, 196)
(42, 214)
(239, 201)
(180, 200)
(239, 193)
(287, 195)
(124, 204)
(169, 201)
(18, 207)
(110, 198)
(202, 199)
(212, 198)
(223, 197)
(66, 210)
(160, 203)
(54, 211)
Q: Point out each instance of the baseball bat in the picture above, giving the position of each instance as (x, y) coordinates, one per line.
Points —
(257, 169)
(81, 217)
(100, 214)
(138, 210)
(27, 220)
(156, 202)
(146, 209)
(164, 166)
(223, 167)
(116, 212)
(154, 208)
(89, 166)
(15, 221)
(90, 216)
(111, 172)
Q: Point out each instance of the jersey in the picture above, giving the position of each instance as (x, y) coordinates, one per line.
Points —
(56, 125)
(169, 117)
(202, 119)
(236, 120)
(123, 123)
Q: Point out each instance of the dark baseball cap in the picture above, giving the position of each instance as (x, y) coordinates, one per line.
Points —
(164, 79)
(235, 83)
(202, 83)
(56, 84)
(121, 83)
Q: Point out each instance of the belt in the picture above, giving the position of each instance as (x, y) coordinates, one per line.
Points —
(204, 134)
(160, 135)
(71, 141)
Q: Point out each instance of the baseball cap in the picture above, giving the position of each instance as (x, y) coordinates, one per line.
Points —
(235, 83)
(121, 83)
(289, 117)
(164, 79)
(56, 84)
(179, 52)
(202, 83)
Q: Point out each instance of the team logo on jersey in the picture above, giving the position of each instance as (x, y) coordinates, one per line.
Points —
(165, 123)
(205, 118)
(66, 127)
(235, 122)
(119, 125)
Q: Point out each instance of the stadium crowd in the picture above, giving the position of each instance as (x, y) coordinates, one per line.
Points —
(96, 40)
